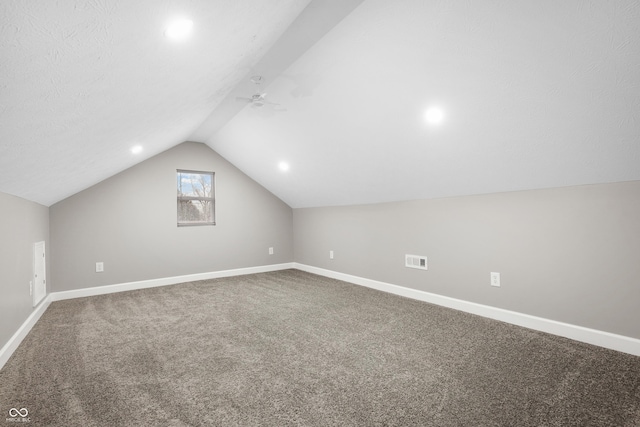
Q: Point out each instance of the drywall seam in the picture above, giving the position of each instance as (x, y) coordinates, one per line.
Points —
(13, 343)
(574, 332)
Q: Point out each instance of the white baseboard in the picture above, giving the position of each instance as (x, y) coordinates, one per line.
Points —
(130, 286)
(10, 347)
(578, 333)
(13, 343)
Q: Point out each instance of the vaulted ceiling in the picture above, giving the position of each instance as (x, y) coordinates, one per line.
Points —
(533, 94)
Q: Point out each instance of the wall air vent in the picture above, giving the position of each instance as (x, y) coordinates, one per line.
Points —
(415, 261)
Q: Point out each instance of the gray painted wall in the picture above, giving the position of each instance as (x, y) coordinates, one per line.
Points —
(22, 223)
(129, 222)
(567, 254)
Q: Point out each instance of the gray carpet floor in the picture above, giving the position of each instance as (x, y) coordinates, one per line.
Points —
(290, 348)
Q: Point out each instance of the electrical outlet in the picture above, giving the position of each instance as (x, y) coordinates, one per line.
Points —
(330, 254)
(495, 279)
(31, 287)
(99, 267)
(270, 251)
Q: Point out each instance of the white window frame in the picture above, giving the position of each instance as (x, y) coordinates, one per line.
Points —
(203, 199)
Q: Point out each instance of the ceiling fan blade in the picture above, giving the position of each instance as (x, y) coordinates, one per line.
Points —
(258, 101)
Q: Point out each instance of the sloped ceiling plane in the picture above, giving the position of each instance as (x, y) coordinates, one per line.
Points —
(368, 101)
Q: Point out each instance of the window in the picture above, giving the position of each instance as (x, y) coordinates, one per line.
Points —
(196, 203)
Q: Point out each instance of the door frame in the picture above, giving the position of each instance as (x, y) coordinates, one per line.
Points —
(39, 287)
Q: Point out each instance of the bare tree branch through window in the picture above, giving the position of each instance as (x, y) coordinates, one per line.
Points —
(196, 201)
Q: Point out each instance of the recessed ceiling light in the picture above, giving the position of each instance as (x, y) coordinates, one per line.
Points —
(136, 149)
(179, 29)
(434, 115)
(283, 166)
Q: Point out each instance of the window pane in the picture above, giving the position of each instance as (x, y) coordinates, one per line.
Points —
(195, 211)
(195, 198)
(195, 184)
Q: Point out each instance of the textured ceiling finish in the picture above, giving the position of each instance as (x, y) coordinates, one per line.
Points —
(536, 94)
(81, 82)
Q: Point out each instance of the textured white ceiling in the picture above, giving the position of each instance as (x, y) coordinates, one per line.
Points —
(537, 93)
(82, 81)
